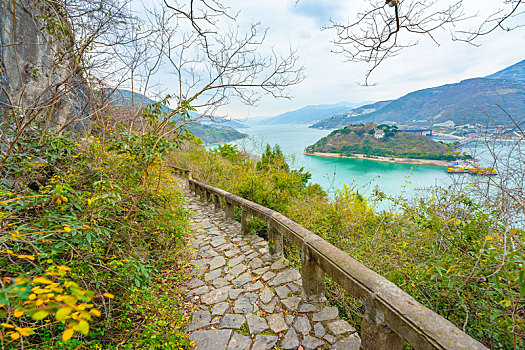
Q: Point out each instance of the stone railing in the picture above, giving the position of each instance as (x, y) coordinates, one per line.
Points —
(392, 317)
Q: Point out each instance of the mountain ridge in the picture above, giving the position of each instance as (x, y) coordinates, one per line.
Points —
(208, 128)
(470, 101)
(311, 113)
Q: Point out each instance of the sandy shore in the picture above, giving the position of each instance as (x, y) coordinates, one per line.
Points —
(442, 163)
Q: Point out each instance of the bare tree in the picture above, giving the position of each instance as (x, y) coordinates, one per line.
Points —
(47, 61)
(387, 27)
(94, 47)
(210, 60)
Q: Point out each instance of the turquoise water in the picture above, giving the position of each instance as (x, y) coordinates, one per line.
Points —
(332, 173)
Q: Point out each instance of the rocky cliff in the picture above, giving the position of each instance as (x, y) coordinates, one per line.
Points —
(40, 79)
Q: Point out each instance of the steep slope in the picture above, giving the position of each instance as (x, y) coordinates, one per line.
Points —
(470, 101)
(209, 129)
(310, 114)
(516, 72)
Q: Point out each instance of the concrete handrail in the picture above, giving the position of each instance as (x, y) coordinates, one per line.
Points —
(392, 317)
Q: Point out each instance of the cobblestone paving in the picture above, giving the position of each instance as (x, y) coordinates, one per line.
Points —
(247, 299)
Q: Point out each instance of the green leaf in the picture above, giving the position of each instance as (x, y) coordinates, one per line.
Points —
(83, 327)
(40, 315)
(62, 313)
(495, 279)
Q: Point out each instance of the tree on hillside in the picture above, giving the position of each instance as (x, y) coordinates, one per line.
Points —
(272, 159)
(50, 54)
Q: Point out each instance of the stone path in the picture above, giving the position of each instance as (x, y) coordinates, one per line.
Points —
(246, 299)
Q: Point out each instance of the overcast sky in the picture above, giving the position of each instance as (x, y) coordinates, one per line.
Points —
(330, 79)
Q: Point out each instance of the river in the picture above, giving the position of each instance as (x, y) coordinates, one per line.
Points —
(332, 173)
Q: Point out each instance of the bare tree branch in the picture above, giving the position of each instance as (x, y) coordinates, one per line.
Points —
(386, 28)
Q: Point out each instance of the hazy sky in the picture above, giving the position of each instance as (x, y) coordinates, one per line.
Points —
(330, 79)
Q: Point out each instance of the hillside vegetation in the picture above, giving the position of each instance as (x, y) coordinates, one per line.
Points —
(92, 243)
(444, 248)
(361, 139)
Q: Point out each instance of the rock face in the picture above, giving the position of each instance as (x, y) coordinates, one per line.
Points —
(38, 73)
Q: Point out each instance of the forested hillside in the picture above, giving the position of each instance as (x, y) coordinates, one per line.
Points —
(93, 233)
(363, 139)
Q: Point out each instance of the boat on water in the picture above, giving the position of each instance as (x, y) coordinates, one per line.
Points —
(483, 171)
(457, 170)
(488, 171)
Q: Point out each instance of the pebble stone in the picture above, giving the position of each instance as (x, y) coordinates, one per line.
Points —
(264, 342)
(328, 313)
(302, 325)
(310, 342)
(290, 340)
(266, 295)
(239, 342)
(277, 323)
(215, 339)
(256, 324)
(319, 330)
(282, 291)
(340, 327)
(232, 321)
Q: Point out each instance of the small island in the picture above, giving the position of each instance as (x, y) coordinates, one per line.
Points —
(385, 143)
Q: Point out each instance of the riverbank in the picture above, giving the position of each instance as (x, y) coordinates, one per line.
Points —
(434, 162)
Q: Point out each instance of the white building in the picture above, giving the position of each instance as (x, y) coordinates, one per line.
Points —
(379, 134)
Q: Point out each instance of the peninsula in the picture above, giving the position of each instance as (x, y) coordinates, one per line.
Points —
(387, 144)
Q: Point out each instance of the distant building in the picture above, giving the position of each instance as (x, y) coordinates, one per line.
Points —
(379, 134)
(466, 126)
(446, 124)
(424, 132)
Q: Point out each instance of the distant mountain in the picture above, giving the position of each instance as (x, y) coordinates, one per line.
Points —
(209, 129)
(310, 114)
(470, 101)
(123, 97)
(335, 121)
(516, 72)
(223, 121)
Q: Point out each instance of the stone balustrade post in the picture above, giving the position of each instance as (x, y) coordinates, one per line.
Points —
(275, 239)
(229, 209)
(313, 276)
(375, 334)
(197, 191)
(245, 222)
(216, 202)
